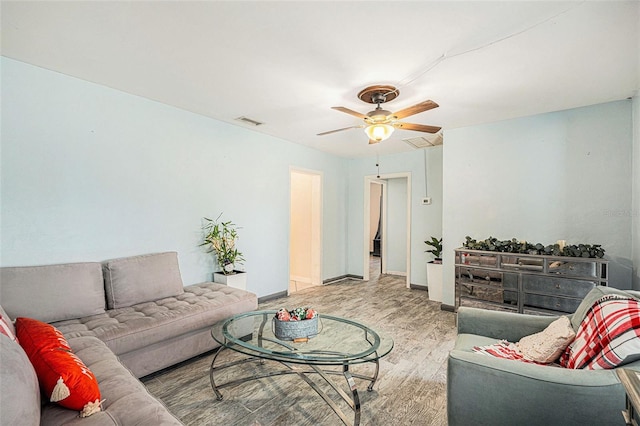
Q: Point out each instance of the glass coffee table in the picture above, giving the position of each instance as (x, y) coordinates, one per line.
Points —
(339, 344)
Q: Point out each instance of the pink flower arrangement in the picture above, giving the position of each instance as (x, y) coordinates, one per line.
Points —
(298, 314)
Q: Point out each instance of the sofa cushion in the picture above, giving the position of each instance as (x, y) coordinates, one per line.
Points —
(609, 335)
(52, 292)
(128, 329)
(20, 395)
(62, 375)
(547, 346)
(138, 279)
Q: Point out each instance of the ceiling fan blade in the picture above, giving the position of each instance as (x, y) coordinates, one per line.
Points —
(373, 141)
(421, 107)
(350, 111)
(417, 127)
(340, 130)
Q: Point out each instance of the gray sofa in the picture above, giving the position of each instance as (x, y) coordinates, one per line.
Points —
(484, 390)
(124, 318)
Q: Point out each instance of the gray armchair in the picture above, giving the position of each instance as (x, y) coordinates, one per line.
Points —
(485, 390)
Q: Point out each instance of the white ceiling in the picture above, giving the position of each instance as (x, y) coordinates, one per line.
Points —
(287, 63)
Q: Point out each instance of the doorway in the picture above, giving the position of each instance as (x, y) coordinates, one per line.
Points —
(305, 229)
(376, 228)
(396, 243)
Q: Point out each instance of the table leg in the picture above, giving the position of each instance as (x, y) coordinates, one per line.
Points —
(375, 375)
(354, 394)
(213, 382)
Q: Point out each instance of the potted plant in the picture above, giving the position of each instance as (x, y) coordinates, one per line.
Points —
(221, 237)
(434, 269)
(436, 251)
(298, 325)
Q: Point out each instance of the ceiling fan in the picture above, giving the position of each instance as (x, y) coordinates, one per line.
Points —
(380, 123)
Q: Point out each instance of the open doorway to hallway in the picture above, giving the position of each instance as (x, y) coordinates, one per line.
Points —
(395, 225)
(305, 230)
(376, 227)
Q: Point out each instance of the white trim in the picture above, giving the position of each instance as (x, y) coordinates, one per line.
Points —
(367, 220)
(298, 278)
(398, 273)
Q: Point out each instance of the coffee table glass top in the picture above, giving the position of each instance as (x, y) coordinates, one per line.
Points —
(339, 340)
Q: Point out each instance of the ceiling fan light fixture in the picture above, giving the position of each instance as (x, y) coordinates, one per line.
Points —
(379, 132)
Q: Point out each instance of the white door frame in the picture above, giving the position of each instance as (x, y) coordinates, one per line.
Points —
(367, 220)
(316, 251)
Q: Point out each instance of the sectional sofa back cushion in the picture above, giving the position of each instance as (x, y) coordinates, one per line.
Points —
(53, 292)
(19, 391)
(138, 279)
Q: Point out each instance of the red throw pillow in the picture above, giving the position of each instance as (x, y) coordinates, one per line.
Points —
(63, 376)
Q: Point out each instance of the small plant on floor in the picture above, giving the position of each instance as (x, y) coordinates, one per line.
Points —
(221, 238)
(436, 251)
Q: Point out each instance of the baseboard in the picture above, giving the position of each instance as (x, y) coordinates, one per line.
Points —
(342, 277)
(299, 279)
(398, 273)
(448, 308)
(272, 296)
(418, 287)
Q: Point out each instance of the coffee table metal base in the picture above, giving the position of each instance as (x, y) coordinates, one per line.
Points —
(303, 371)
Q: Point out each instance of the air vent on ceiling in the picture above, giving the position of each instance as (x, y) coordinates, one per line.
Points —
(425, 141)
(251, 121)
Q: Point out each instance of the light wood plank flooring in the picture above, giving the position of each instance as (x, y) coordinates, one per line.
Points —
(411, 388)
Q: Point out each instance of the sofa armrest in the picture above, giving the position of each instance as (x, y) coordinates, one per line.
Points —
(541, 373)
(486, 390)
(500, 325)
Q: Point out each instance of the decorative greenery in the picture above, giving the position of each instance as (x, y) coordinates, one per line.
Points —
(437, 247)
(298, 314)
(221, 238)
(515, 246)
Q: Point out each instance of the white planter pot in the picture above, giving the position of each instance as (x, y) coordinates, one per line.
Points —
(434, 281)
(236, 280)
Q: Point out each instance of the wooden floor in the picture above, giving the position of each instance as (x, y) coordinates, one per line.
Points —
(411, 388)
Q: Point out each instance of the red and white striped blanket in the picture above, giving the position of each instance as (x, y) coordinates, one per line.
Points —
(504, 349)
(608, 336)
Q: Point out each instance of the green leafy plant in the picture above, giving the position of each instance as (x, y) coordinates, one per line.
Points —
(515, 246)
(436, 251)
(221, 238)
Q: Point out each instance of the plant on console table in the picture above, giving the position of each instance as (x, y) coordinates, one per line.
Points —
(515, 246)
(220, 237)
(434, 269)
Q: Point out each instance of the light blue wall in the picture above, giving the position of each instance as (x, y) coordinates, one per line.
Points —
(90, 173)
(425, 220)
(564, 175)
(396, 244)
(635, 211)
